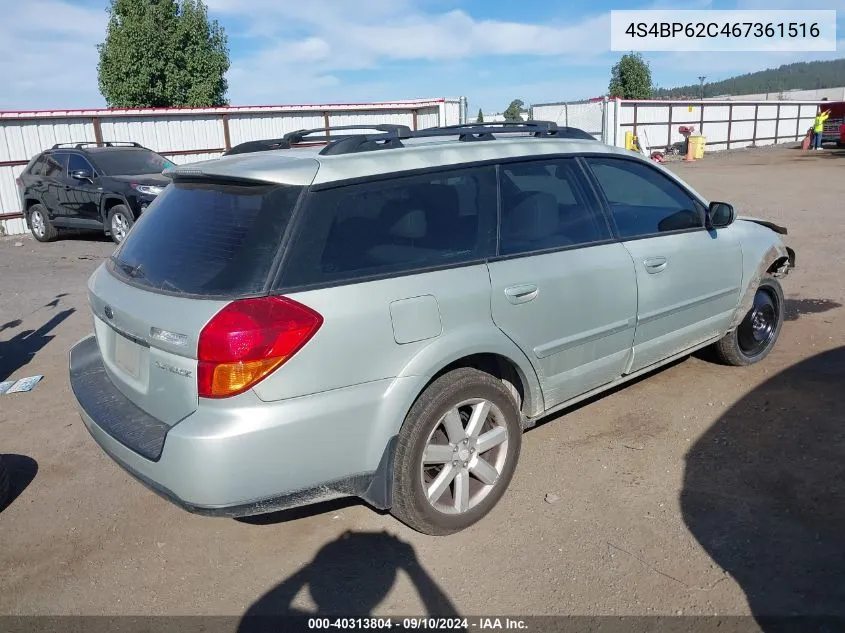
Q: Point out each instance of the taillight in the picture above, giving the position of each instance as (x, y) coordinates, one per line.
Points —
(247, 340)
(18, 182)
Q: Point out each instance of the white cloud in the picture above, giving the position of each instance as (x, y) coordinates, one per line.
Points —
(307, 51)
(48, 55)
(376, 33)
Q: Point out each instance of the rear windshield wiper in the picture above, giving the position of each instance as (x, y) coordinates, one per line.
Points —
(134, 272)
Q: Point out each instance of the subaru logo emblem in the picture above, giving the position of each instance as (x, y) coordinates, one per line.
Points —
(108, 312)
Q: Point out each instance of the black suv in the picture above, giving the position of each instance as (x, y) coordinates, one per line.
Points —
(90, 186)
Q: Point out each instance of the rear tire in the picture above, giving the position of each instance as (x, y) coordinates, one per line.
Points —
(753, 339)
(456, 452)
(119, 222)
(40, 225)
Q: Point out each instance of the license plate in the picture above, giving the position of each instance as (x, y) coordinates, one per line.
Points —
(127, 356)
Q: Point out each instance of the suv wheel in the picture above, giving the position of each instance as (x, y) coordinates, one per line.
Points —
(40, 225)
(120, 221)
(753, 339)
(456, 452)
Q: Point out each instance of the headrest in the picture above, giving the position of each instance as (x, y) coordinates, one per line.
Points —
(411, 226)
(442, 199)
(534, 218)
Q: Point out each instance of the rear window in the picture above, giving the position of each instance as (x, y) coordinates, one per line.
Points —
(208, 239)
(131, 162)
(394, 226)
(37, 165)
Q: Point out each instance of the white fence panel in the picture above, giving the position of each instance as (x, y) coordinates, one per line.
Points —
(166, 135)
(428, 117)
(250, 127)
(189, 135)
(585, 115)
(724, 124)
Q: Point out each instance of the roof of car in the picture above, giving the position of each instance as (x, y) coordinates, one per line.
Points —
(93, 147)
(306, 165)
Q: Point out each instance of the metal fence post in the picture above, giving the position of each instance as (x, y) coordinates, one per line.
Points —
(730, 122)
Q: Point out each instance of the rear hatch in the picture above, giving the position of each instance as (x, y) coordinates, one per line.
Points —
(202, 244)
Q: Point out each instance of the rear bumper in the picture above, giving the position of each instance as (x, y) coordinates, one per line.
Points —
(243, 456)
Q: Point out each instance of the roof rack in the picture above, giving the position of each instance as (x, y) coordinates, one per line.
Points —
(81, 144)
(391, 136)
(465, 133)
(298, 136)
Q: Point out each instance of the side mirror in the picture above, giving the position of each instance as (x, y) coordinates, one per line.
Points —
(82, 174)
(720, 215)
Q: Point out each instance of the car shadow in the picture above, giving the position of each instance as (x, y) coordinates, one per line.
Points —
(84, 235)
(18, 351)
(21, 471)
(347, 578)
(764, 493)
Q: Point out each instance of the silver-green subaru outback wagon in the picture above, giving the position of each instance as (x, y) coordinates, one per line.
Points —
(382, 312)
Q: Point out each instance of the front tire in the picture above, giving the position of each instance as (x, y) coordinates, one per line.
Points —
(756, 335)
(40, 225)
(119, 222)
(456, 452)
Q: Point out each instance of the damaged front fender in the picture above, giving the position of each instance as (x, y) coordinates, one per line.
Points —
(777, 261)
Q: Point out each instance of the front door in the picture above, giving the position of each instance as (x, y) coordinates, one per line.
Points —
(82, 199)
(562, 288)
(688, 278)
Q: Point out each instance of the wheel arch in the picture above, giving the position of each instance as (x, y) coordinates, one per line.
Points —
(30, 201)
(109, 202)
(488, 350)
(775, 259)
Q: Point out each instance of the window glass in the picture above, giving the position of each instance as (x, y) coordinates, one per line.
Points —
(56, 165)
(394, 226)
(131, 162)
(76, 162)
(38, 165)
(643, 200)
(546, 204)
(208, 238)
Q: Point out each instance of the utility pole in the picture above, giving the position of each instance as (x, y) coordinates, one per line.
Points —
(701, 79)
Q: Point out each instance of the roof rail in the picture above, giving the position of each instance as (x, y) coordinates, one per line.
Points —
(81, 144)
(298, 136)
(464, 132)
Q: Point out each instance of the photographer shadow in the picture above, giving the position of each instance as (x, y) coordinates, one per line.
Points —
(764, 495)
(347, 578)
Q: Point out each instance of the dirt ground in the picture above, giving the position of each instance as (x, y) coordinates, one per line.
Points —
(701, 489)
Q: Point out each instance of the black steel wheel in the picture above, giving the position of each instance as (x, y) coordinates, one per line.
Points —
(756, 335)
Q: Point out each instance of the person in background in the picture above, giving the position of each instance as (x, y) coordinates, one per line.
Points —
(818, 127)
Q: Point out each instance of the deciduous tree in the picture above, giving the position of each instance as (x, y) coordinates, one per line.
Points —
(162, 53)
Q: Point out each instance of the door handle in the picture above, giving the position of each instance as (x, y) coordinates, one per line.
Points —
(522, 294)
(655, 264)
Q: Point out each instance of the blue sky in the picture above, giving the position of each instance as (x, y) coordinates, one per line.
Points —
(336, 51)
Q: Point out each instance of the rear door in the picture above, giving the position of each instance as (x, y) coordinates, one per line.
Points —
(562, 288)
(200, 245)
(53, 185)
(688, 278)
(393, 264)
